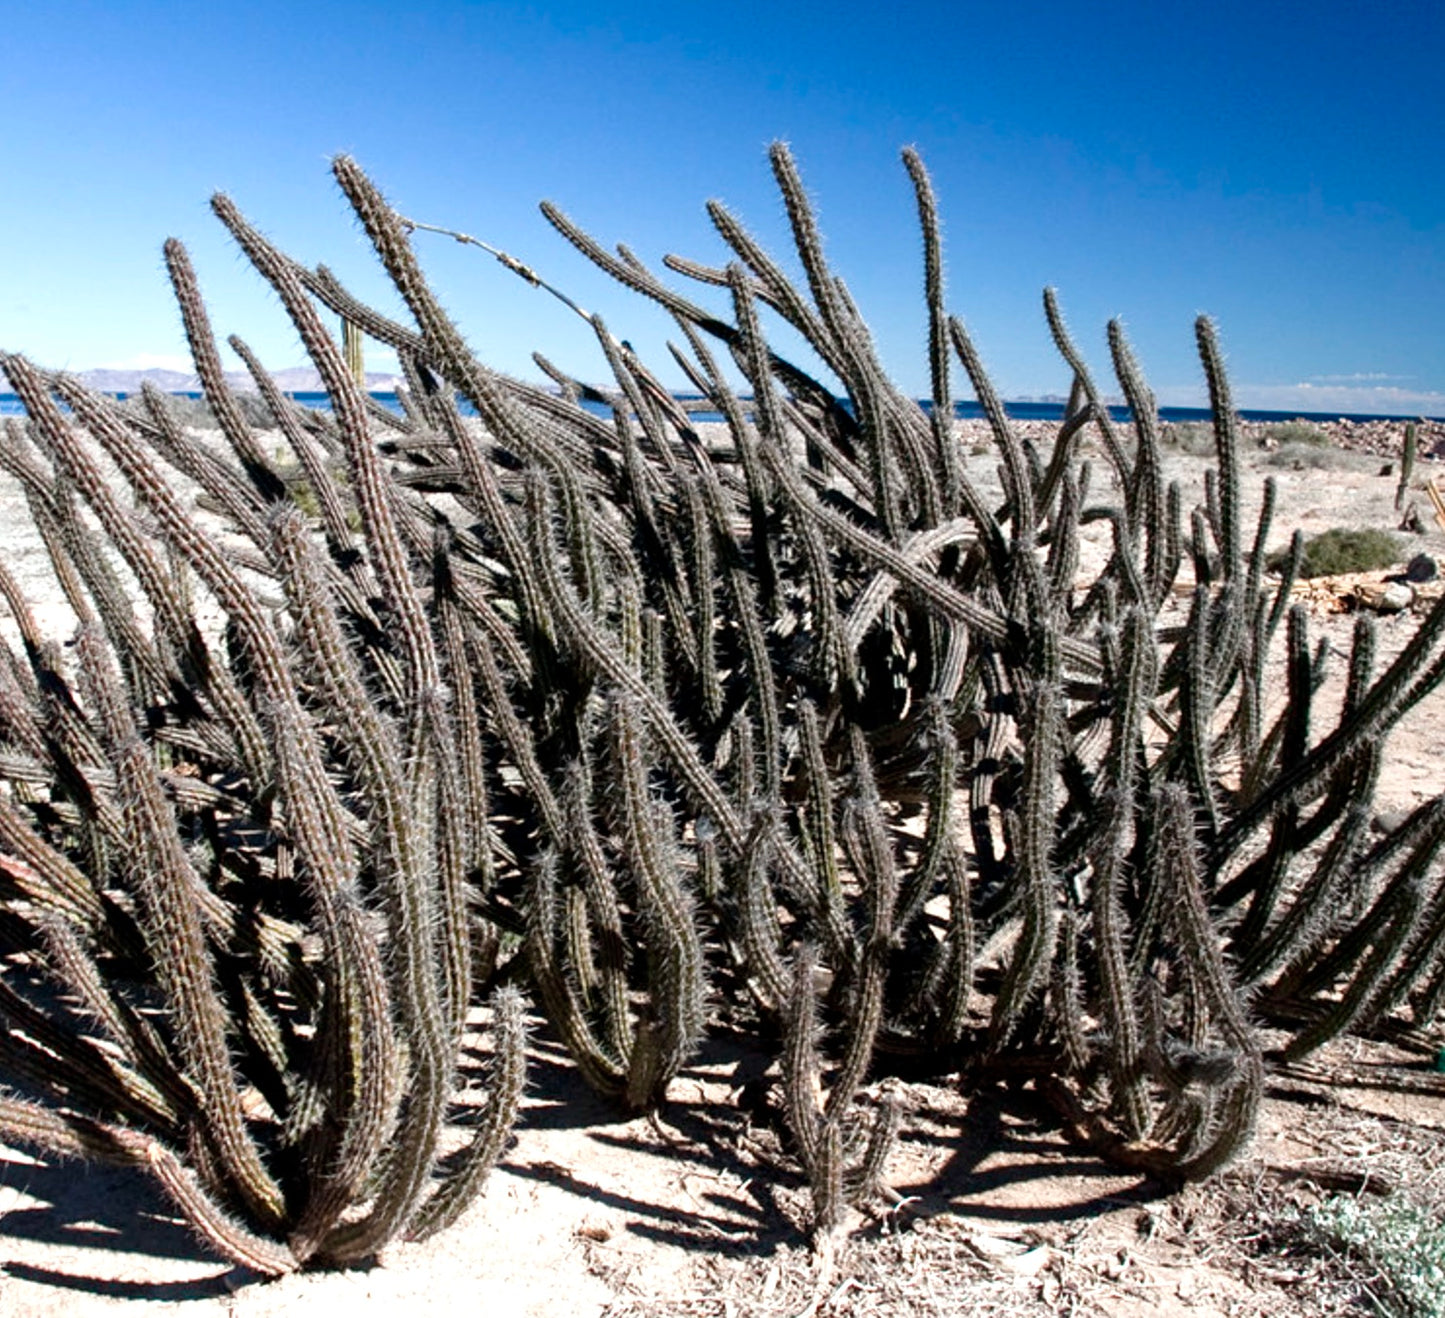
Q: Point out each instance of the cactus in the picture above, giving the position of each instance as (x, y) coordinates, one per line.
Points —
(798, 728)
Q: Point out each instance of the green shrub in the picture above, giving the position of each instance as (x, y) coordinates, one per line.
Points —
(1308, 457)
(1340, 550)
(1300, 433)
(1399, 1245)
(1192, 437)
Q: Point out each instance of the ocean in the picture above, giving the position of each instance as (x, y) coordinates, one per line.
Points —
(10, 406)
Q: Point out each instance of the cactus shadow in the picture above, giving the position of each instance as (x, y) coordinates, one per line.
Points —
(727, 1204)
(75, 1211)
(1009, 1161)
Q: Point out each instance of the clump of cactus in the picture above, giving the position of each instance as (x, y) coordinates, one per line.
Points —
(803, 727)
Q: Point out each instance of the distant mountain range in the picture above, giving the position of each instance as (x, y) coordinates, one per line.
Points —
(295, 380)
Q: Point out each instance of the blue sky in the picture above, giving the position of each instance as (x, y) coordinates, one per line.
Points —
(1276, 165)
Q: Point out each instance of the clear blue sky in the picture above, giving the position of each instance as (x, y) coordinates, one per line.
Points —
(1277, 165)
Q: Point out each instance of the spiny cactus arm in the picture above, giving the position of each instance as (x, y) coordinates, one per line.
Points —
(1110, 923)
(1271, 869)
(952, 603)
(407, 877)
(235, 598)
(566, 1014)
(1067, 349)
(323, 284)
(1369, 991)
(367, 477)
(156, 1078)
(57, 1055)
(801, 1065)
(463, 1181)
(1198, 941)
(20, 610)
(1064, 1008)
(69, 1135)
(601, 650)
(213, 380)
(149, 672)
(833, 655)
(1292, 944)
(1408, 448)
(630, 277)
(365, 1080)
(600, 912)
(1196, 697)
(1377, 891)
(880, 883)
(1063, 560)
(949, 978)
(759, 930)
(992, 744)
(1062, 465)
(1028, 968)
(86, 578)
(1403, 927)
(818, 823)
(700, 539)
(476, 601)
(669, 921)
(467, 719)
(155, 579)
(494, 401)
(322, 483)
(1415, 672)
(873, 397)
(759, 491)
(941, 418)
(941, 747)
(1146, 499)
(236, 498)
(161, 871)
(1019, 485)
(1226, 441)
(43, 874)
(921, 548)
(779, 291)
(81, 470)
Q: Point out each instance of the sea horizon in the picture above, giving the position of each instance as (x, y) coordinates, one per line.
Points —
(1022, 409)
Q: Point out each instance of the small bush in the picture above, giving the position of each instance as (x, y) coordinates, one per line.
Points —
(1401, 1244)
(1296, 433)
(1193, 437)
(1307, 457)
(1341, 550)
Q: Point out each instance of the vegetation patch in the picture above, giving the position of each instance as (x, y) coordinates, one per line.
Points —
(1395, 1247)
(1340, 550)
(1296, 432)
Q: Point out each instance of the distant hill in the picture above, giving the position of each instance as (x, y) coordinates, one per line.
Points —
(295, 380)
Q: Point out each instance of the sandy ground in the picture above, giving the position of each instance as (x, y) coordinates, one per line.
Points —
(591, 1215)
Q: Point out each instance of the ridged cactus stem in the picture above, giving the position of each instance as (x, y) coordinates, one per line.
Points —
(161, 872)
(505, 1083)
(668, 919)
(72, 1136)
(213, 379)
(941, 416)
(1408, 447)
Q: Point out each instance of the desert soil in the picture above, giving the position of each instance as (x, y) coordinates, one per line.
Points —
(589, 1214)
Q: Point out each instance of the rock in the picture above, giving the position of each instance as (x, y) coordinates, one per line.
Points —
(1384, 596)
(1421, 568)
